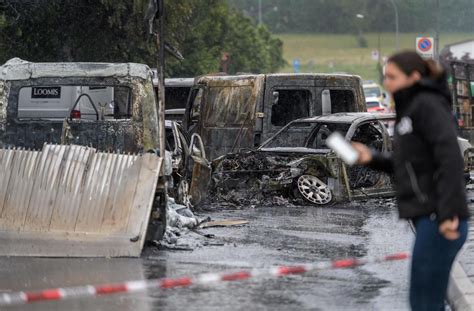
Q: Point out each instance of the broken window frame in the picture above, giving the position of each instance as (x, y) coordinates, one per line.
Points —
(353, 106)
(314, 128)
(388, 140)
(190, 118)
(386, 147)
(312, 136)
(310, 102)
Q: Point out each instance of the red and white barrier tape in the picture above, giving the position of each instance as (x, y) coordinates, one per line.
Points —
(203, 279)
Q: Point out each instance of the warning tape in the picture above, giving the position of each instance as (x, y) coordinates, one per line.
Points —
(67, 293)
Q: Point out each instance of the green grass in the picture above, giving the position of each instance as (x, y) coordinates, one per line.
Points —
(340, 52)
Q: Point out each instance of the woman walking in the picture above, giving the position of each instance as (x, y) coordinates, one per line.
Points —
(428, 170)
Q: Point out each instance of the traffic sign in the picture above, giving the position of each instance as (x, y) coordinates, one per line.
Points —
(425, 46)
(296, 65)
(375, 55)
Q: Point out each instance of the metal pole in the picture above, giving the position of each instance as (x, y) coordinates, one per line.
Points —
(260, 19)
(161, 77)
(397, 33)
(436, 56)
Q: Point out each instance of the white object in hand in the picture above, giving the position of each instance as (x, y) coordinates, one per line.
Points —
(342, 148)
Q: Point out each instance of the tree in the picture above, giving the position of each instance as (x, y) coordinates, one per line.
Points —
(115, 31)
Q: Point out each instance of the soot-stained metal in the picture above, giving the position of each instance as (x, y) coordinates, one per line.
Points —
(304, 174)
(139, 133)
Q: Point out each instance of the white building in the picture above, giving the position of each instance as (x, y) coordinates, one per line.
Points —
(463, 50)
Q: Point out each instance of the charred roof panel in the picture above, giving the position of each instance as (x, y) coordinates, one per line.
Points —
(17, 69)
(349, 117)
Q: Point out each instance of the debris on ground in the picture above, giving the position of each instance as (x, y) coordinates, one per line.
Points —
(182, 222)
(224, 223)
(179, 221)
(179, 216)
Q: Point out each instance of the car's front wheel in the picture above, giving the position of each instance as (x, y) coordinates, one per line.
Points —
(313, 190)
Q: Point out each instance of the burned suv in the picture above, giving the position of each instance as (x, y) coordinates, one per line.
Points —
(297, 163)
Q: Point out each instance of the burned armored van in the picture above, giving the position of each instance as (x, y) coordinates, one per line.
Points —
(238, 112)
(80, 171)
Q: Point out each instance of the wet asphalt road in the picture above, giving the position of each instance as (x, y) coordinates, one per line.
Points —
(274, 236)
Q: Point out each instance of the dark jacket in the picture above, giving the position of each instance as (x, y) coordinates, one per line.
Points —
(427, 163)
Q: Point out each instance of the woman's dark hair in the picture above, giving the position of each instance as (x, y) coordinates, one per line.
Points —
(410, 61)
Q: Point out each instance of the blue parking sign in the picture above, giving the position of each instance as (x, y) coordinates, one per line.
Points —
(296, 65)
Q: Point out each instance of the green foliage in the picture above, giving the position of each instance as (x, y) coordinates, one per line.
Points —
(340, 52)
(115, 31)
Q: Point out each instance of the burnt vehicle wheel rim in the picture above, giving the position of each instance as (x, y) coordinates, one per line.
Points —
(314, 190)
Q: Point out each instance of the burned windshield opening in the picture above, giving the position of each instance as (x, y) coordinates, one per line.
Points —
(306, 135)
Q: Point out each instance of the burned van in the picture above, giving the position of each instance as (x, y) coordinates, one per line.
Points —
(80, 170)
(236, 112)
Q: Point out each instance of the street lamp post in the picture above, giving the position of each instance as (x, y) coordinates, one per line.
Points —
(161, 74)
(436, 39)
(361, 17)
(360, 38)
(397, 34)
(260, 10)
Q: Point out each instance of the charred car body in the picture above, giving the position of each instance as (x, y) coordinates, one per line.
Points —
(235, 112)
(191, 170)
(296, 163)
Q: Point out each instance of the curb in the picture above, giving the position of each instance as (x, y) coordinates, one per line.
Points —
(460, 289)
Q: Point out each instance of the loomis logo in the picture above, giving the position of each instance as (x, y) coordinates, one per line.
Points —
(46, 92)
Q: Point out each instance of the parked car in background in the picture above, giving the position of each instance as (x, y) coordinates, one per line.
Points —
(375, 97)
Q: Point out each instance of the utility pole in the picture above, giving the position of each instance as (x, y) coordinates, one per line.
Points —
(260, 19)
(436, 39)
(161, 75)
(397, 32)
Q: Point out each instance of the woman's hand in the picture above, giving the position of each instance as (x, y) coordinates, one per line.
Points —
(449, 228)
(365, 155)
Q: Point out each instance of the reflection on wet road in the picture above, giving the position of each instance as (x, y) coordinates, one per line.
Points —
(274, 236)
